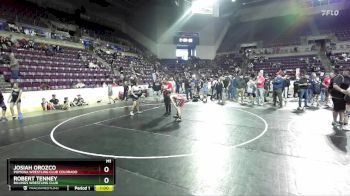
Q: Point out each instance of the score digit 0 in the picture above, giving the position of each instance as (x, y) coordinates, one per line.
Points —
(106, 180)
(106, 169)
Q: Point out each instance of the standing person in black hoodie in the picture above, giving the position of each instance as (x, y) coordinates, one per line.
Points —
(157, 86)
(346, 87)
(226, 82)
(295, 88)
(178, 85)
(286, 87)
(188, 89)
(219, 88)
(126, 90)
(267, 87)
(338, 88)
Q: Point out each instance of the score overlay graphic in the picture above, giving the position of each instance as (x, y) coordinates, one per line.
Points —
(61, 174)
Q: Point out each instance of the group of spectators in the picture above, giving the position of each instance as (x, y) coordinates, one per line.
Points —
(340, 57)
(5, 42)
(236, 87)
(54, 103)
(312, 89)
(335, 85)
(8, 43)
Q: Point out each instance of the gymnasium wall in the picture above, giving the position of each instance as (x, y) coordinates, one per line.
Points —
(31, 100)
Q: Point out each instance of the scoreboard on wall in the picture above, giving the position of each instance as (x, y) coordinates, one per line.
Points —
(186, 38)
(61, 174)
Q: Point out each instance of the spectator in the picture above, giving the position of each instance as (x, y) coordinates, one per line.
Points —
(110, 94)
(136, 93)
(55, 102)
(80, 85)
(3, 108)
(177, 86)
(157, 87)
(232, 88)
(295, 88)
(260, 88)
(205, 91)
(92, 65)
(14, 66)
(126, 90)
(337, 88)
(79, 101)
(219, 88)
(251, 87)
(286, 87)
(316, 87)
(241, 86)
(66, 104)
(324, 88)
(188, 89)
(267, 87)
(15, 100)
(167, 89)
(303, 84)
(278, 84)
(45, 105)
(44, 86)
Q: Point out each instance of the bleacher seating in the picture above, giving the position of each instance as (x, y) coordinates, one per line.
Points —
(131, 65)
(272, 65)
(58, 71)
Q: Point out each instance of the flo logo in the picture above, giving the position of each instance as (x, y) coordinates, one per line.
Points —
(330, 12)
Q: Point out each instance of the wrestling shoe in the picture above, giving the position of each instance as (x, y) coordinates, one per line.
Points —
(20, 116)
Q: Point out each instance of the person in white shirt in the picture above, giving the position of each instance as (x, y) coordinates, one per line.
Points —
(110, 94)
(173, 83)
(80, 85)
(251, 88)
(92, 65)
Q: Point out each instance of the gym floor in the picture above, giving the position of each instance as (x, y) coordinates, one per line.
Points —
(229, 149)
